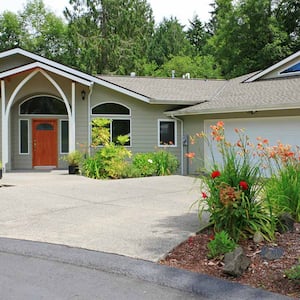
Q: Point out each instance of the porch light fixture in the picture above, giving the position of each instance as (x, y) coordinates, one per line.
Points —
(83, 94)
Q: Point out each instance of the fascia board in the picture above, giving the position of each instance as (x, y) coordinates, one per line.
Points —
(77, 74)
(44, 67)
(274, 67)
(233, 110)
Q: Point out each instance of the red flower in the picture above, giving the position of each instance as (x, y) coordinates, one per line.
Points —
(204, 195)
(190, 241)
(211, 237)
(244, 185)
(215, 174)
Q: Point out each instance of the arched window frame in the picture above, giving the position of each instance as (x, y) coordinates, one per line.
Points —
(37, 96)
(114, 117)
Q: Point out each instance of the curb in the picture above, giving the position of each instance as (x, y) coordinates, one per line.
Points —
(199, 284)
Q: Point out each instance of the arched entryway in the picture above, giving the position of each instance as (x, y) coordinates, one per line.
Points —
(43, 132)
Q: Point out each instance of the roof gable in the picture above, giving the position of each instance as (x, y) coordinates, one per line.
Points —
(62, 69)
(279, 70)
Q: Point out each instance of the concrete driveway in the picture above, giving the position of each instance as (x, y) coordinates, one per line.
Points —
(141, 218)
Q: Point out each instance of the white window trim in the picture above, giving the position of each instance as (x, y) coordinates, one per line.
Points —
(60, 136)
(175, 133)
(39, 115)
(296, 73)
(110, 115)
(112, 119)
(28, 151)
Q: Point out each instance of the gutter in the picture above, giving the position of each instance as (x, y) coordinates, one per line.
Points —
(181, 142)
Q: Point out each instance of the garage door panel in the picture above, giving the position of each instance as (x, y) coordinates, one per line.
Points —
(284, 129)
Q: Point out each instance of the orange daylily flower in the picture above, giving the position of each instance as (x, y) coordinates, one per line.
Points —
(190, 155)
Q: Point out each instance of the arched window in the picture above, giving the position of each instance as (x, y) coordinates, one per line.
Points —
(110, 109)
(43, 105)
(119, 115)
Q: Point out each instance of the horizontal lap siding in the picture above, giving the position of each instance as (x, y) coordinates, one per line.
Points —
(194, 124)
(37, 86)
(144, 120)
(0, 129)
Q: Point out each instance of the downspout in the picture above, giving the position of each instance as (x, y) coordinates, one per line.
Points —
(181, 141)
(89, 117)
(4, 135)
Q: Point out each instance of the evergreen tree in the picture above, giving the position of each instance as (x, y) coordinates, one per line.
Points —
(169, 40)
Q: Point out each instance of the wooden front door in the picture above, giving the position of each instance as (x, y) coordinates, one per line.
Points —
(44, 143)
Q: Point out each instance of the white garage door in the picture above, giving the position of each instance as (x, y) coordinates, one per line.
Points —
(284, 129)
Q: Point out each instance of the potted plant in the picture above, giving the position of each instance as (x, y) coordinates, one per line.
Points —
(74, 159)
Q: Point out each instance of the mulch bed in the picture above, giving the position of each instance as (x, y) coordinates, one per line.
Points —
(266, 274)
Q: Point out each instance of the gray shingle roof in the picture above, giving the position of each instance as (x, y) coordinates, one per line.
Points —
(168, 90)
(237, 95)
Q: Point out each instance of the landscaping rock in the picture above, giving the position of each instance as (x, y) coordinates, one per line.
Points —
(236, 262)
(258, 237)
(271, 253)
(286, 223)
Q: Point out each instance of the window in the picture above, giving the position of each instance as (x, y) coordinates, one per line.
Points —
(292, 69)
(24, 144)
(44, 126)
(119, 127)
(116, 113)
(167, 133)
(64, 136)
(110, 109)
(43, 105)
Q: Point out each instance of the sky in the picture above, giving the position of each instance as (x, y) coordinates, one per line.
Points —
(184, 10)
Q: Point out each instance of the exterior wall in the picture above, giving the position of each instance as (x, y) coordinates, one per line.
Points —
(39, 85)
(0, 128)
(195, 124)
(144, 120)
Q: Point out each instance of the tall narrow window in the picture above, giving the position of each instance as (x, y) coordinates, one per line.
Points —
(64, 136)
(24, 144)
(167, 133)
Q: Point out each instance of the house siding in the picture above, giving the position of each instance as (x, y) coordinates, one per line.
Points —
(195, 124)
(13, 62)
(144, 120)
(39, 85)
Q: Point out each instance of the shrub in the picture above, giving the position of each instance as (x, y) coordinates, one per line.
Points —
(158, 163)
(110, 161)
(113, 160)
(73, 158)
(283, 186)
(294, 272)
(221, 244)
(92, 167)
(166, 163)
(233, 185)
(145, 163)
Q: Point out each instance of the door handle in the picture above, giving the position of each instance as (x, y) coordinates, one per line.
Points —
(34, 145)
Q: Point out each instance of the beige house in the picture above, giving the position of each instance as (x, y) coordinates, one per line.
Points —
(47, 109)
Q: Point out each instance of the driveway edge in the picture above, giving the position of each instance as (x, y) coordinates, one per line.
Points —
(200, 284)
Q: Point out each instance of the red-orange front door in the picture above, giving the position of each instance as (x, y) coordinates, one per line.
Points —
(44, 143)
